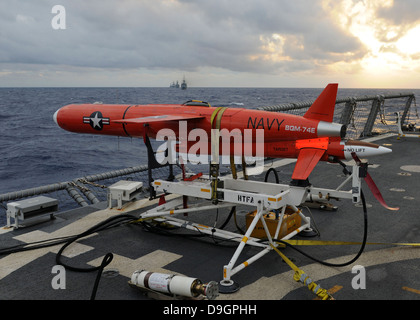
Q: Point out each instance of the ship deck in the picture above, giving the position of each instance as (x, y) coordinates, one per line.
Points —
(391, 272)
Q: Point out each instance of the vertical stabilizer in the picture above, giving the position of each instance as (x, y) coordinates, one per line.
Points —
(323, 107)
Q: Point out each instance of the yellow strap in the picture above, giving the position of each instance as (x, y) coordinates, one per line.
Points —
(213, 115)
(286, 259)
(300, 276)
(218, 122)
(214, 170)
(340, 243)
(142, 219)
(219, 117)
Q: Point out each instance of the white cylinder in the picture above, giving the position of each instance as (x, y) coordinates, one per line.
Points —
(165, 283)
(182, 286)
(330, 129)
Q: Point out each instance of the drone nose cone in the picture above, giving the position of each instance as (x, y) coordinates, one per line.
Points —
(55, 117)
(383, 150)
(364, 149)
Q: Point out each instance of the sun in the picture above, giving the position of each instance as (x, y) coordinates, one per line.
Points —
(392, 51)
(410, 43)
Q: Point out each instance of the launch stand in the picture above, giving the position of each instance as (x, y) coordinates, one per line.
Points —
(221, 192)
(262, 196)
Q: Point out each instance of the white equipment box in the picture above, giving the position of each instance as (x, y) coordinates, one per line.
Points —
(123, 191)
(30, 208)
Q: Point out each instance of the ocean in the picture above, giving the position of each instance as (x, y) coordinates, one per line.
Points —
(35, 151)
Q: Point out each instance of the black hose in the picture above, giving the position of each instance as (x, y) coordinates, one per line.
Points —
(228, 218)
(100, 226)
(105, 261)
(275, 175)
(34, 245)
(338, 264)
(110, 222)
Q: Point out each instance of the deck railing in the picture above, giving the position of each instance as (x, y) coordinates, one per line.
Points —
(361, 114)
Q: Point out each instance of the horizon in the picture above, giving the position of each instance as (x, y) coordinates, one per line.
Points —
(203, 87)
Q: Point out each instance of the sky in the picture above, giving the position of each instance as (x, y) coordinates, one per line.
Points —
(212, 43)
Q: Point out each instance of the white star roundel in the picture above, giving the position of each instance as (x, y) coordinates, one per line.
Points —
(96, 120)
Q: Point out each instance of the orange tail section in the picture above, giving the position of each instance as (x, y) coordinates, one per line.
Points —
(323, 107)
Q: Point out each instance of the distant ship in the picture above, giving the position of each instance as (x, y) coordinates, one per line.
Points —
(184, 84)
(174, 85)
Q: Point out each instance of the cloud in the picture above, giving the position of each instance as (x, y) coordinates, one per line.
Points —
(401, 12)
(177, 35)
(391, 19)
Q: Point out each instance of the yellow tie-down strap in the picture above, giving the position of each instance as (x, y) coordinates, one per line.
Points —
(301, 276)
(341, 243)
(214, 114)
(214, 168)
(217, 115)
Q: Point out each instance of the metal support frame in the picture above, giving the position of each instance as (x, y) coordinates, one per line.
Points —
(376, 104)
(261, 195)
(232, 267)
(348, 111)
(407, 107)
(152, 163)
